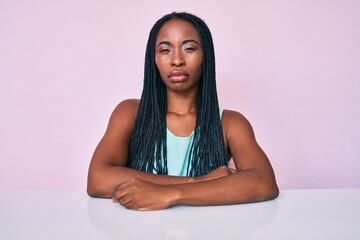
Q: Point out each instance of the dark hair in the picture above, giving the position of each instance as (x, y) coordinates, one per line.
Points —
(148, 142)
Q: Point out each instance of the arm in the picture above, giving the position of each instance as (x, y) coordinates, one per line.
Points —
(108, 165)
(253, 181)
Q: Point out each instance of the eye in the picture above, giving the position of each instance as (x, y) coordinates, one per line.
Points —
(164, 51)
(190, 49)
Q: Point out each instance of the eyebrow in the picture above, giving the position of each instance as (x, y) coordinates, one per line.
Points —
(183, 42)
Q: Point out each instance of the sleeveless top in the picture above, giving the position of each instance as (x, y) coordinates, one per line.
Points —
(178, 150)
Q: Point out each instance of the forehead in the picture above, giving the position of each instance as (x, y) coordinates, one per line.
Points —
(177, 28)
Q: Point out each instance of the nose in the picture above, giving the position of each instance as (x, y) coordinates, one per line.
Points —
(177, 59)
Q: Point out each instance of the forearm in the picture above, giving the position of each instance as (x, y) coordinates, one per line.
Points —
(240, 187)
(102, 180)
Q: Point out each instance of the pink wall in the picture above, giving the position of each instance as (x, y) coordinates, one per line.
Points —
(291, 67)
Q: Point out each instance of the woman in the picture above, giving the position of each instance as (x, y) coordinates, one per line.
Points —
(173, 145)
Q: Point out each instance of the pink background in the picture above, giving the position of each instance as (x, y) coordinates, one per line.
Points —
(291, 67)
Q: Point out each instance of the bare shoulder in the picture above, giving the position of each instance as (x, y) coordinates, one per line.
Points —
(127, 108)
(129, 105)
(240, 139)
(123, 116)
(235, 121)
(112, 149)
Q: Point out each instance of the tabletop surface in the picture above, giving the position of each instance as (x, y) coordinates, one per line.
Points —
(295, 214)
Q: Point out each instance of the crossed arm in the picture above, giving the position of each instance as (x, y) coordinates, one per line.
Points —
(253, 180)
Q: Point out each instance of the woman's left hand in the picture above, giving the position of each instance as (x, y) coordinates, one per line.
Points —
(138, 194)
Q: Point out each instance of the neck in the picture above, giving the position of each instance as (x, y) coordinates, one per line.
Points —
(181, 103)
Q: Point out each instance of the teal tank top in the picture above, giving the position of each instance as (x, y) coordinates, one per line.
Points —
(178, 150)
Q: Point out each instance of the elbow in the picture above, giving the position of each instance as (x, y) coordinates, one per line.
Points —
(269, 190)
(91, 189)
(273, 192)
(95, 189)
(91, 183)
(97, 183)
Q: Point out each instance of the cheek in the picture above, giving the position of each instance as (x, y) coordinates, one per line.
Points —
(161, 70)
(199, 62)
(160, 61)
(157, 62)
(199, 67)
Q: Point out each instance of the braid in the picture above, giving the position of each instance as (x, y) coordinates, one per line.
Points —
(148, 142)
(208, 152)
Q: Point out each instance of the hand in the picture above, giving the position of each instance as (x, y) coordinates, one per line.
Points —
(138, 194)
(220, 172)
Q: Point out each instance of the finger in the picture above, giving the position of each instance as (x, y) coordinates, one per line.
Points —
(119, 193)
(130, 205)
(124, 200)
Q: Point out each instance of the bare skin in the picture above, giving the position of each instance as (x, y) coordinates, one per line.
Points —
(179, 61)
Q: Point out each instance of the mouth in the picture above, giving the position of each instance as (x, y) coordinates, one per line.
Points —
(178, 75)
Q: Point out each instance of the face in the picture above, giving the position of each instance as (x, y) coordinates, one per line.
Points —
(178, 55)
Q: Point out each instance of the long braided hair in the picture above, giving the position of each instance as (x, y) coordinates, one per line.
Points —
(148, 150)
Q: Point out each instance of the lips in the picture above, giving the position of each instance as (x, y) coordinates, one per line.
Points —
(178, 75)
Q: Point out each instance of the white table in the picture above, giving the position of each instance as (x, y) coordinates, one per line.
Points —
(296, 214)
